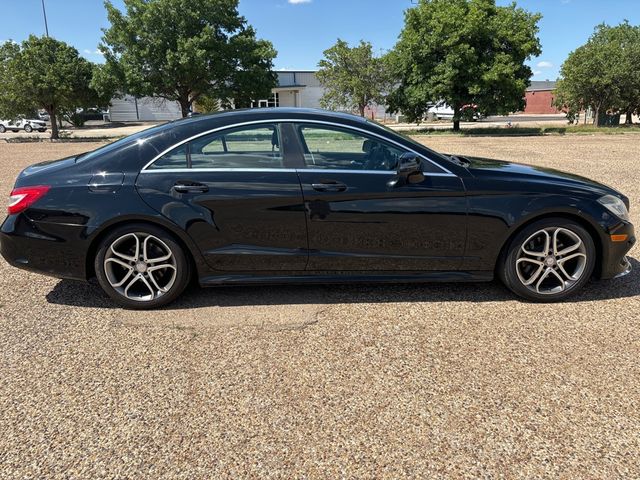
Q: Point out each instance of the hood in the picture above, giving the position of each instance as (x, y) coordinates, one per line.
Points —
(485, 167)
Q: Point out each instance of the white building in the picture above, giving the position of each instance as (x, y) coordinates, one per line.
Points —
(132, 109)
(296, 88)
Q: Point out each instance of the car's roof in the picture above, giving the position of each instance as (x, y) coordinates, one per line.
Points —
(296, 112)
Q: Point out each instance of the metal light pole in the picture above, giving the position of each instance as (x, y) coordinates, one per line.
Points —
(44, 13)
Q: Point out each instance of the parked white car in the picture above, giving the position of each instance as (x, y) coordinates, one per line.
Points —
(26, 124)
(442, 111)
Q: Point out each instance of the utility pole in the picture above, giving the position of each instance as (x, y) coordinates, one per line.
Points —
(44, 13)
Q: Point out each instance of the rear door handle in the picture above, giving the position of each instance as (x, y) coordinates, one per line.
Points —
(190, 187)
(329, 187)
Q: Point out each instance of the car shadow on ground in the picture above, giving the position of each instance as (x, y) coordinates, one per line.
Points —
(80, 294)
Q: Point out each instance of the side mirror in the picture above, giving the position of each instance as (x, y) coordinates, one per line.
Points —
(408, 163)
(409, 171)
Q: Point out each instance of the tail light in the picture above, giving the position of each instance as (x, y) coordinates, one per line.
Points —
(23, 197)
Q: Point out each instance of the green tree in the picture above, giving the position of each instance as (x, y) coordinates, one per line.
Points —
(11, 103)
(43, 73)
(206, 104)
(603, 74)
(353, 77)
(86, 97)
(182, 49)
(463, 52)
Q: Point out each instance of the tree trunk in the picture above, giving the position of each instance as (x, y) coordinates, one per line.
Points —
(457, 113)
(361, 109)
(596, 116)
(185, 104)
(54, 123)
(628, 117)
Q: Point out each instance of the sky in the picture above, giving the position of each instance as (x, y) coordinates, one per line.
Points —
(302, 29)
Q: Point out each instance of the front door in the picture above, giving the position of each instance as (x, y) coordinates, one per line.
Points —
(236, 196)
(358, 221)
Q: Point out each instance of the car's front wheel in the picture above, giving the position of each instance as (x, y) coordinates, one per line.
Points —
(28, 128)
(141, 266)
(3, 128)
(549, 260)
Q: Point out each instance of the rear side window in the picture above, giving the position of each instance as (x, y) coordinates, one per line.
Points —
(252, 146)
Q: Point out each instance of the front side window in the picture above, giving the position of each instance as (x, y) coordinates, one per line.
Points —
(252, 146)
(344, 149)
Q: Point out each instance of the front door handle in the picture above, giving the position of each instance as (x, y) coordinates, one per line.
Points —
(329, 187)
(190, 187)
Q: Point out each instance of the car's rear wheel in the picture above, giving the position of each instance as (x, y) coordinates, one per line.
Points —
(549, 260)
(141, 266)
(28, 128)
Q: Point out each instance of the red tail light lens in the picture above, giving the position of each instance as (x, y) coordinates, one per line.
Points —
(23, 197)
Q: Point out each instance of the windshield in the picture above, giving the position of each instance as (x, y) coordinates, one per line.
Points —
(119, 143)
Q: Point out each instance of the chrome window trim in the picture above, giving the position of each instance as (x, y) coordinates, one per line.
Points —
(377, 172)
(445, 172)
(284, 170)
(180, 170)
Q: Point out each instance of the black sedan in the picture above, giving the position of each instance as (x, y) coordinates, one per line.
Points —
(304, 196)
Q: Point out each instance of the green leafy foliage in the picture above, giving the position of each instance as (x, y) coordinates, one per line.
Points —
(182, 49)
(464, 52)
(44, 73)
(353, 77)
(603, 74)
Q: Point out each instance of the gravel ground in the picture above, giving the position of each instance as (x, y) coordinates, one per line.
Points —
(444, 381)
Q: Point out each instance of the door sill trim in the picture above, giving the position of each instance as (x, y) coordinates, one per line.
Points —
(347, 277)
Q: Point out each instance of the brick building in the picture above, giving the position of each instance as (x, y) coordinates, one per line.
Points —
(539, 98)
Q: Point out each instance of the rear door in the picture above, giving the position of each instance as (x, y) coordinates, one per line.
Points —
(237, 194)
(358, 221)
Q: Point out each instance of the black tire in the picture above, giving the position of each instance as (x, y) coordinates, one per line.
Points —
(42, 130)
(514, 262)
(28, 128)
(3, 129)
(123, 237)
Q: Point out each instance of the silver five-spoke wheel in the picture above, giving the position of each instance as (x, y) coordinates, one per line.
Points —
(551, 260)
(140, 266)
(548, 260)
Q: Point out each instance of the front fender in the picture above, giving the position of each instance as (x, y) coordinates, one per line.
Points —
(495, 218)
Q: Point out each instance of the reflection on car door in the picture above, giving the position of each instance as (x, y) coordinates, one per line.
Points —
(358, 222)
(237, 196)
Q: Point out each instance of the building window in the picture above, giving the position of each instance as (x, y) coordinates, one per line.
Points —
(273, 101)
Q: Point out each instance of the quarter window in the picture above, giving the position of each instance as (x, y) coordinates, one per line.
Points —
(343, 149)
(176, 158)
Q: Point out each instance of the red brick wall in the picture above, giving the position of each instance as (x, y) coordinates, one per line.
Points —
(540, 101)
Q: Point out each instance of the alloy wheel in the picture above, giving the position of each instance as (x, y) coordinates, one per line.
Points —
(551, 261)
(140, 266)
